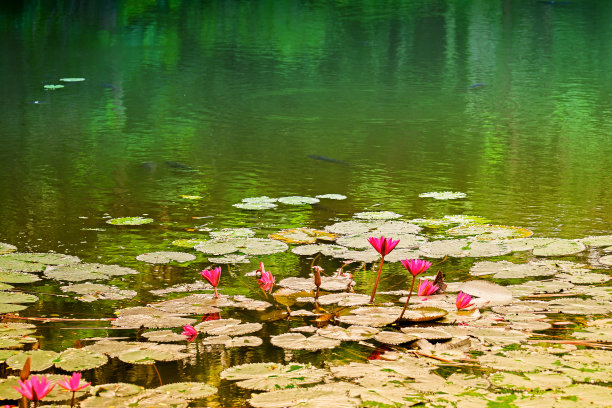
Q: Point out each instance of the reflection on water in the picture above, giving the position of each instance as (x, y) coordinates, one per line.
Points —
(506, 101)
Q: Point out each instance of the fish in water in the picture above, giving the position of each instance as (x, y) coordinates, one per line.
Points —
(477, 85)
(177, 165)
(328, 159)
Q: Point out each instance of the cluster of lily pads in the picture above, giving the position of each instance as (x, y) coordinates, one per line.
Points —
(472, 343)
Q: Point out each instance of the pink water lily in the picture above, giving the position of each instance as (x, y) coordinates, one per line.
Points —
(426, 288)
(415, 267)
(73, 384)
(35, 388)
(266, 281)
(190, 332)
(383, 246)
(463, 301)
(212, 276)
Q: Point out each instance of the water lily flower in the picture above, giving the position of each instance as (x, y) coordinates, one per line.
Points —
(190, 332)
(266, 281)
(383, 246)
(415, 267)
(426, 288)
(212, 276)
(73, 384)
(463, 301)
(35, 388)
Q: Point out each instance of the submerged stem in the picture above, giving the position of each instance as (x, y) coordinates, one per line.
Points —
(158, 375)
(377, 279)
(407, 300)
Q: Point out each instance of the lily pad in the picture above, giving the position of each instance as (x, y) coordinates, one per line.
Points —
(324, 249)
(79, 360)
(154, 398)
(16, 265)
(259, 200)
(52, 87)
(443, 195)
(596, 241)
(427, 333)
(255, 206)
(305, 397)
(244, 341)
(604, 260)
(218, 247)
(263, 246)
(298, 200)
(40, 360)
(377, 215)
(6, 248)
(228, 233)
(129, 221)
(185, 287)
(302, 236)
(229, 259)
(115, 390)
(72, 79)
(488, 293)
(163, 320)
(297, 341)
(163, 336)
(559, 247)
(16, 297)
(164, 257)
(394, 338)
(216, 326)
(11, 308)
(352, 227)
(147, 356)
(94, 291)
(87, 271)
(509, 270)
(351, 333)
(334, 197)
(344, 299)
(423, 314)
(46, 258)
(188, 243)
(489, 232)
(460, 248)
(188, 390)
(372, 316)
(273, 376)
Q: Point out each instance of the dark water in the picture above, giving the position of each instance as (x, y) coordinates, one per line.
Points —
(507, 101)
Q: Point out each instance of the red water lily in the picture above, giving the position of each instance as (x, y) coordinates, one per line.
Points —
(212, 276)
(35, 388)
(73, 384)
(426, 288)
(266, 281)
(415, 267)
(190, 332)
(383, 246)
(463, 301)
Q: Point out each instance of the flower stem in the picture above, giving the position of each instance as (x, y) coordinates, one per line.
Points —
(408, 299)
(216, 293)
(377, 279)
(72, 401)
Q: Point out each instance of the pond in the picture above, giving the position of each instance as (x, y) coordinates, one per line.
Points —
(229, 133)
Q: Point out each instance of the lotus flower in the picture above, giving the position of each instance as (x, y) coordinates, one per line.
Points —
(426, 288)
(463, 301)
(212, 276)
(73, 384)
(416, 266)
(35, 388)
(190, 332)
(266, 281)
(383, 246)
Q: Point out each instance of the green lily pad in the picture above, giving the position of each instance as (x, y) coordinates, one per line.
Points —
(130, 221)
(189, 390)
(297, 341)
(163, 336)
(187, 243)
(11, 308)
(154, 398)
(263, 246)
(344, 299)
(488, 232)
(6, 248)
(460, 248)
(488, 293)
(427, 333)
(259, 200)
(377, 215)
(40, 360)
(255, 206)
(72, 79)
(536, 287)
(302, 236)
(273, 376)
(16, 265)
(79, 360)
(161, 321)
(305, 397)
(229, 259)
(352, 227)
(422, 314)
(596, 241)
(298, 200)
(218, 247)
(394, 338)
(146, 356)
(443, 195)
(351, 333)
(243, 341)
(520, 361)
(604, 260)
(371, 316)
(115, 390)
(6, 388)
(332, 196)
(46, 258)
(324, 249)
(164, 257)
(559, 247)
(216, 326)
(87, 271)
(94, 291)
(52, 87)
(114, 348)
(509, 270)
(16, 297)
(227, 233)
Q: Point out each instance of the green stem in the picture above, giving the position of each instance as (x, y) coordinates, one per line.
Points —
(407, 300)
(377, 279)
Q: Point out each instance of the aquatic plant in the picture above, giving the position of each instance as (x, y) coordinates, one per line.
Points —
(383, 246)
(426, 288)
(415, 267)
(35, 388)
(73, 384)
(212, 276)
(463, 301)
(266, 280)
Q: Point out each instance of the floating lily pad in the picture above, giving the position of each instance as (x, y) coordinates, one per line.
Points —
(601, 334)
(46, 258)
(88, 271)
(520, 361)
(16, 297)
(218, 247)
(234, 329)
(324, 249)
(79, 360)
(146, 356)
(351, 333)
(273, 376)
(306, 398)
(16, 265)
(188, 390)
(462, 247)
(302, 236)
(394, 338)
(216, 326)
(351, 227)
(72, 79)
(443, 195)
(535, 287)
(559, 247)
(52, 87)
(227, 233)
(244, 341)
(6, 248)
(164, 257)
(423, 314)
(360, 241)
(115, 390)
(604, 260)
(581, 277)
(332, 196)
(129, 221)
(377, 215)
(298, 200)
(344, 299)
(263, 246)
(185, 287)
(488, 231)
(297, 341)
(367, 256)
(197, 303)
(372, 316)
(391, 228)
(229, 259)
(11, 308)
(188, 243)
(163, 320)
(509, 270)
(163, 336)
(93, 291)
(40, 360)
(255, 206)
(488, 293)
(427, 333)
(154, 398)
(598, 241)
(259, 200)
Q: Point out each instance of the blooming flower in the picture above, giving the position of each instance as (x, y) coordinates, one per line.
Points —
(266, 281)
(383, 245)
(463, 301)
(74, 383)
(415, 266)
(212, 276)
(190, 332)
(426, 288)
(35, 388)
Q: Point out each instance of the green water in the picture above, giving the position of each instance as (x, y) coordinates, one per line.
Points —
(243, 92)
